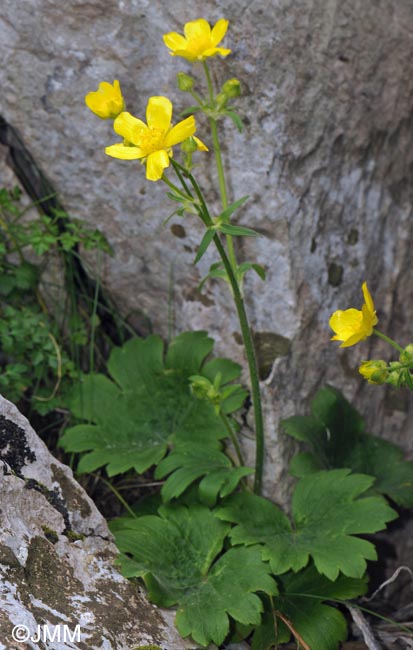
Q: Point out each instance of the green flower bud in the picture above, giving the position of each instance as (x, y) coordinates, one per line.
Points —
(407, 355)
(394, 378)
(375, 371)
(185, 82)
(189, 145)
(221, 100)
(231, 88)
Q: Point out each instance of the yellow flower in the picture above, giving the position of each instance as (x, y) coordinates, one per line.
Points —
(152, 142)
(353, 325)
(107, 102)
(375, 371)
(200, 41)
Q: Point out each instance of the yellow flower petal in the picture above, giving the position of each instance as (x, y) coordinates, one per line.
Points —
(197, 30)
(352, 340)
(174, 41)
(159, 113)
(180, 132)
(367, 298)
(200, 144)
(129, 127)
(345, 323)
(218, 31)
(124, 153)
(155, 164)
(189, 56)
(216, 50)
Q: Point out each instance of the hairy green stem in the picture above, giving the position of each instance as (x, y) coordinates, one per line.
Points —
(387, 339)
(245, 330)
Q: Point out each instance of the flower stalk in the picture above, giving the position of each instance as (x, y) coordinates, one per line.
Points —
(218, 161)
(245, 328)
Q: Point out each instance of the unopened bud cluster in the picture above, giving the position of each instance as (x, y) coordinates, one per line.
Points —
(395, 373)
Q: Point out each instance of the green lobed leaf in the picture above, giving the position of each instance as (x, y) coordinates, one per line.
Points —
(338, 415)
(176, 554)
(301, 601)
(305, 463)
(336, 437)
(228, 369)
(327, 509)
(187, 352)
(187, 464)
(134, 421)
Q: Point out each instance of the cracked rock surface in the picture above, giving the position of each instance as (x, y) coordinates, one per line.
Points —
(57, 555)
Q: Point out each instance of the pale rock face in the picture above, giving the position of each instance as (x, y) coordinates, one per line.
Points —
(57, 558)
(325, 157)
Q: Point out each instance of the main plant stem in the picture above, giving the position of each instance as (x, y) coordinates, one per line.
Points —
(243, 321)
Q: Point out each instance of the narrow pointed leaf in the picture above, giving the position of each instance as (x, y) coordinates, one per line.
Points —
(205, 242)
(229, 211)
(236, 119)
(237, 231)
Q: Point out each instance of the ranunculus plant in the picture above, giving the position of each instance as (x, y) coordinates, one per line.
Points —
(235, 566)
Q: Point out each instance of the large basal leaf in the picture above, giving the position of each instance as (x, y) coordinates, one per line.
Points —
(188, 464)
(302, 602)
(177, 555)
(147, 406)
(327, 509)
(336, 438)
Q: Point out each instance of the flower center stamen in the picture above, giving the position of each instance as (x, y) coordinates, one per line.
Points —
(152, 140)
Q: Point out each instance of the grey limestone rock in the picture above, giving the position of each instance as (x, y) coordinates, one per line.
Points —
(57, 558)
(326, 157)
